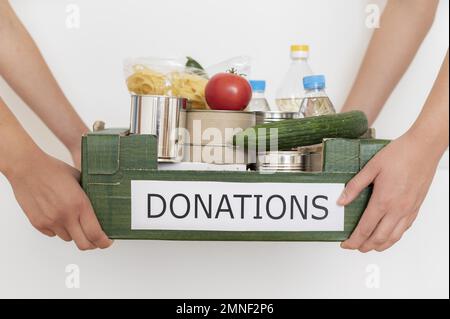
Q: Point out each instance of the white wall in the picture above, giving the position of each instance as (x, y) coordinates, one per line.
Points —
(88, 64)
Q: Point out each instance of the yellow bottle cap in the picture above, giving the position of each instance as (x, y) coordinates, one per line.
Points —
(299, 47)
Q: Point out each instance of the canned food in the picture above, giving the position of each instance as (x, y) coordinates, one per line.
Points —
(214, 154)
(275, 116)
(205, 127)
(163, 116)
(315, 156)
(284, 161)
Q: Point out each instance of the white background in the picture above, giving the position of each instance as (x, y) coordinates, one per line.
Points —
(88, 64)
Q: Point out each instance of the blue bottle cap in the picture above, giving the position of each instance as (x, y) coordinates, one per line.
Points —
(258, 85)
(314, 82)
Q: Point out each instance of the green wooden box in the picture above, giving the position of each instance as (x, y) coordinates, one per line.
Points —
(111, 159)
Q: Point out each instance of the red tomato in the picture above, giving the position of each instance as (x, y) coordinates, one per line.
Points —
(227, 91)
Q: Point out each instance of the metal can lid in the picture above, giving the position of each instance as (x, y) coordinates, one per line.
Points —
(316, 148)
(282, 159)
(277, 115)
(210, 111)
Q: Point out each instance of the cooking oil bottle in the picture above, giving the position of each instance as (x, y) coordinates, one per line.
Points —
(290, 94)
(316, 101)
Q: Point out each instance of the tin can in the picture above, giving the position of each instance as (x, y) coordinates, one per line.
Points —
(314, 153)
(214, 154)
(207, 127)
(283, 161)
(275, 116)
(163, 116)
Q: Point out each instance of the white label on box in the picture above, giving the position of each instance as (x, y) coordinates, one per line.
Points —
(222, 206)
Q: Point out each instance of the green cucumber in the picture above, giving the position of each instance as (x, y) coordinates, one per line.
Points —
(305, 131)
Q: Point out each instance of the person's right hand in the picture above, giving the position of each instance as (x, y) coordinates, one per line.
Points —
(49, 193)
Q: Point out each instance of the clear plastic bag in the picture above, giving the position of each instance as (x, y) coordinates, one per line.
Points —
(240, 65)
(155, 76)
(163, 76)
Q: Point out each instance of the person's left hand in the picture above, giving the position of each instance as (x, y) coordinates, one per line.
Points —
(401, 174)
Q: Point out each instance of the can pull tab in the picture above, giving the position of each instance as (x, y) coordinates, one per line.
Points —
(98, 126)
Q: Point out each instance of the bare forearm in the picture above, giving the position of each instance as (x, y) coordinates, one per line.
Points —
(403, 26)
(23, 67)
(431, 129)
(401, 174)
(16, 146)
(47, 190)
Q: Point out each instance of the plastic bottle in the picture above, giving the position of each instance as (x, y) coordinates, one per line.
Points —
(258, 101)
(290, 94)
(316, 101)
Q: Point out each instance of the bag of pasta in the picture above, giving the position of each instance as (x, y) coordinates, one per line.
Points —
(183, 77)
(171, 77)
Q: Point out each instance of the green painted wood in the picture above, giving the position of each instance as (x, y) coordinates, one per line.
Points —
(103, 154)
(113, 205)
(110, 131)
(349, 155)
(340, 155)
(368, 148)
(138, 152)
(137, 160)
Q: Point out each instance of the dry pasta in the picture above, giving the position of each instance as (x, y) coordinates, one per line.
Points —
(146, 81)
(190, 86)
(143, 80)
